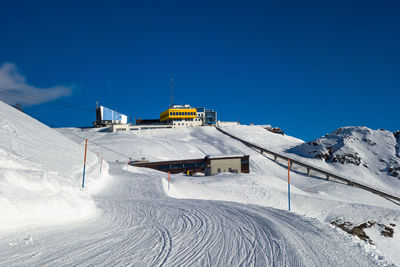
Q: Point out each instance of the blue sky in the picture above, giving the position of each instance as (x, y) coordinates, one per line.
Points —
(308, 67)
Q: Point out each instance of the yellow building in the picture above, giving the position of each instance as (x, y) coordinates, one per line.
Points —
(180, 115)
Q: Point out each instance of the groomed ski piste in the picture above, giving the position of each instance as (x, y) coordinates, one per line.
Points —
(127, 216)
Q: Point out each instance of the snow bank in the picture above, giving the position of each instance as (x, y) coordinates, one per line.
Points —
(40, 174)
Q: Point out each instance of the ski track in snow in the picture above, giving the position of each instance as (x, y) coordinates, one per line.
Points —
(141, 226)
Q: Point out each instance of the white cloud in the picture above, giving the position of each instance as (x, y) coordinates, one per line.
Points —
(14, 88)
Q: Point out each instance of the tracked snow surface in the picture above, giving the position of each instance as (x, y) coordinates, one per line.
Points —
(131, 218)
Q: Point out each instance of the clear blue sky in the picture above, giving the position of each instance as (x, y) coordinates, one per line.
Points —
(308, 67)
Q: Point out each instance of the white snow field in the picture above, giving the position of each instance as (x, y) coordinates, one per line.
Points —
(266, 185)
(128, 217)
(40, 173)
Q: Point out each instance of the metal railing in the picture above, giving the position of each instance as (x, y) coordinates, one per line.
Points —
(309, 168)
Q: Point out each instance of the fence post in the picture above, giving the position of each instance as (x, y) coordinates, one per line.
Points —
(289, 182)
(84, 166)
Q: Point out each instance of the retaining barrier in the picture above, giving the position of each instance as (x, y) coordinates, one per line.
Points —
(310, 168)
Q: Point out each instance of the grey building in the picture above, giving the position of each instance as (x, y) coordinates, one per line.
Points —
(208, 116)
(209, 165)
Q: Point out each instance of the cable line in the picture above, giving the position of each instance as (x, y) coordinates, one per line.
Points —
(65, 104)
(101, 146)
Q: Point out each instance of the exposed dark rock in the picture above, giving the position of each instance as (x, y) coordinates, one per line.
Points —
(358, 231)
(397, 136)
(394, 171)
(387, 231)
(347, 158)
(369, 141)
(314, 143)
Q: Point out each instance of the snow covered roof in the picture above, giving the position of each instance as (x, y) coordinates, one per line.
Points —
(220, 156)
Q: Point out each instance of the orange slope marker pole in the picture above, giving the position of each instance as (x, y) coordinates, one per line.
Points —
(289, 183)
(101, 163)
(84, 166)
(169, 175)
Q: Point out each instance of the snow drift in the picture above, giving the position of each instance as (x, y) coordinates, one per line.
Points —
(40, 174)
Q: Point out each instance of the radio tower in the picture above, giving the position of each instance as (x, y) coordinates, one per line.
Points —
(172, 90)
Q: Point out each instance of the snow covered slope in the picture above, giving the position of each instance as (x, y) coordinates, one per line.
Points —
(141, 226)
(366, 155)
(40, 174)
(138, 224)
(266, 185)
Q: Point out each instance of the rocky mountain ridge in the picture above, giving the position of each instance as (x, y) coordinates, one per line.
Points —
(377, 150)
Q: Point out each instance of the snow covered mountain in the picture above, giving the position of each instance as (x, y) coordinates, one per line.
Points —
(366, 151)
(374, 149)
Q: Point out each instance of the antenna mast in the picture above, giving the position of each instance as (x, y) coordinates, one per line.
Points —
(172, 90)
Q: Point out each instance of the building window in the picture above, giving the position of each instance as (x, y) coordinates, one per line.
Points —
(218, 170)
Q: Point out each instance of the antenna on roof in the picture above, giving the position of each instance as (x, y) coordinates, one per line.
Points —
(172, 90)
(97, 104)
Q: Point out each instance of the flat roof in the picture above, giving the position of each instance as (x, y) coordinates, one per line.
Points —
(219, 156)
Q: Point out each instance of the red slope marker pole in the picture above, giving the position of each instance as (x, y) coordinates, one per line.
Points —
(84, 166)
(289, 182)
(168, 179)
